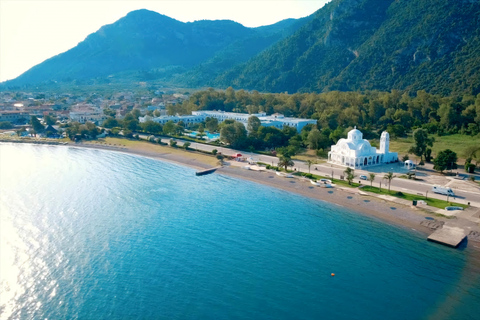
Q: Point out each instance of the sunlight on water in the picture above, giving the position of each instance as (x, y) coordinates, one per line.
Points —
(88, 232)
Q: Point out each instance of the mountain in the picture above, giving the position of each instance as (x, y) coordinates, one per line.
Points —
(150, 45)
(373, 44)
(408, 45)
(240, 51)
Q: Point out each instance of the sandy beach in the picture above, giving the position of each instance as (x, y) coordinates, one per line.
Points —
(407, 217)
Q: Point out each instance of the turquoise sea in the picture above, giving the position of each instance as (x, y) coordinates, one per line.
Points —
(91, 234)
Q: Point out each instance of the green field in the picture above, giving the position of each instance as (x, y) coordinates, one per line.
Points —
(455, 142)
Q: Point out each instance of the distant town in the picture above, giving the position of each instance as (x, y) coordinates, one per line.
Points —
(17, 108)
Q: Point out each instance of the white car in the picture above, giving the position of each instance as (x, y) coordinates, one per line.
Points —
(363, 177)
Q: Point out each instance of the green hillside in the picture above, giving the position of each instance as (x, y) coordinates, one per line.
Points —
(373, 44)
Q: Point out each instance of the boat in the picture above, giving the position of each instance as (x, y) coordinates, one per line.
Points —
(289, 175)
(281, 174)
(314, 183)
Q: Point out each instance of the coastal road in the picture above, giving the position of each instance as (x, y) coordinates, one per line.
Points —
(327, 170)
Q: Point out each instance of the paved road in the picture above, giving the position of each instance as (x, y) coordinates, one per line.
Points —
(410, 186)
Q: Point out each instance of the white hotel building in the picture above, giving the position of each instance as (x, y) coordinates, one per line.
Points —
(275, 120)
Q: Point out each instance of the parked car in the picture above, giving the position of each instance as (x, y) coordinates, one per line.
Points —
(363, 177)
(443, 190)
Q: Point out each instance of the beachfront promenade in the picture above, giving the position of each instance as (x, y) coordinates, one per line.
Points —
(465, 191)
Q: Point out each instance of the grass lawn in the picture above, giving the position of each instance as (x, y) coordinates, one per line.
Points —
(338, 182)
(456, 142)
(437, 203)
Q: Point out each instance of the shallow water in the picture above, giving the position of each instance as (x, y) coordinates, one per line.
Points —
(92, 234)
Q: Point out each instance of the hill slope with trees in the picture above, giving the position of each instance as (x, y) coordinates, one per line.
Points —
(347, 45)
(145, 45)
(412, 45)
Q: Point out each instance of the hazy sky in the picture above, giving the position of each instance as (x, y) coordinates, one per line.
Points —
(35, 30)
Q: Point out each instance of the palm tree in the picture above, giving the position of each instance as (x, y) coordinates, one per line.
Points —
(371, 177)
(309, 164)
(285, 162)
(349, 175)
(348, 170)
(389, 176)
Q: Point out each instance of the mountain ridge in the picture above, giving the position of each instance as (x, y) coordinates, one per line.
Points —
(144, 40)
(406, 45)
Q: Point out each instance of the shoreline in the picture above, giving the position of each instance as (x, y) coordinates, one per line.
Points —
(399, 215)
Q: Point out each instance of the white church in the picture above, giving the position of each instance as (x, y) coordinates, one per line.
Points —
(357, 153)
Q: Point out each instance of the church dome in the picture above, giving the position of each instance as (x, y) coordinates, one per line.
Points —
(355, 134)
(364, 147)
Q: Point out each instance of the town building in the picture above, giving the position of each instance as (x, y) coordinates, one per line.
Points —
(356, 152)
(14, 116)
(275, 120)
(87, 113)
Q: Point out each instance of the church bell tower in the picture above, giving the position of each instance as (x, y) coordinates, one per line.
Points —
(384, 142)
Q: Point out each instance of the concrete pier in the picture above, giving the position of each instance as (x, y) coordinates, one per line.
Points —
(448, 235)
(207, 171)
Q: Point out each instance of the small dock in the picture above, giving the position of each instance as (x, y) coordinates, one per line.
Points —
(206, 171)
(448, 235)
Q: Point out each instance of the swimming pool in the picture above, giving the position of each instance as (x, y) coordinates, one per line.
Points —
(210, 136)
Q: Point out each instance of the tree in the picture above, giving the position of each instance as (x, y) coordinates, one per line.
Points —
(220, 158)
(36, 125)
(109, 112)
(428, 155)
(314, 139)
(349, 175)
(472, 152)
(151, 127)
(421, 142)
(371, 177)
(285, 161)
(49, 121)
(253, 125)
(337, 134)
(211, 124)
(309, 164)
(389, 176)
(169, 128)
(233, 134)
(173, 143)
(186, 145)
(110, 122)
(6, 125)
(405, 158)
(288, 151)
(445, 160)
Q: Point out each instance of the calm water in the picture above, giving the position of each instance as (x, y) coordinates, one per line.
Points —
(92, 234)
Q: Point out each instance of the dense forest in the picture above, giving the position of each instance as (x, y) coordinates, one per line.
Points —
(371, 111)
